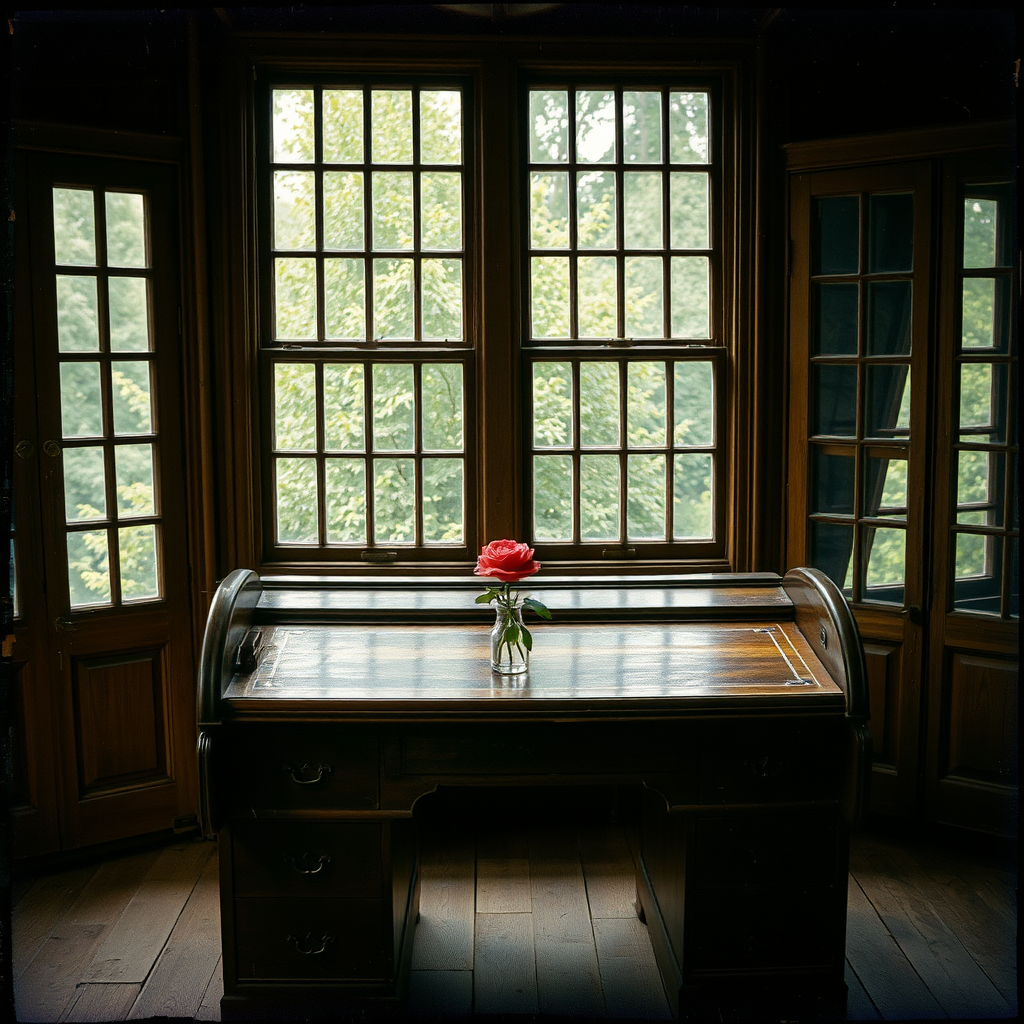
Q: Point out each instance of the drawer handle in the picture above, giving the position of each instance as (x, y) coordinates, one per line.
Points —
(309, 940)
(304, 858)
(301, 776)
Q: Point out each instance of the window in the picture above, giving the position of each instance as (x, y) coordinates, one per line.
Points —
(371, 313)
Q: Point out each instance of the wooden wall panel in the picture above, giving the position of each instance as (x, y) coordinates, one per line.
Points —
(884, 666)
(982, 722)
(119, 698)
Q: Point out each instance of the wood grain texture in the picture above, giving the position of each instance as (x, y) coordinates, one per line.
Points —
(568, 979)
(502, 873)
(443, 938)
(630, 979)
(178, 982)
(505, 968)
(131, 947)
(609, 871)
(858, 1003)
(103, 1002)
(440, 995)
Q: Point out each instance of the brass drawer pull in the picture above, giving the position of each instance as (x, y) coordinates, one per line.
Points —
(309, 940)
(300, 776)
(304, 858)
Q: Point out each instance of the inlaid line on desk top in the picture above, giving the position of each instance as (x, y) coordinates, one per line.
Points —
(347, 662)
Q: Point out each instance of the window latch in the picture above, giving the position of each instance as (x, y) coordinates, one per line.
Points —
(378, 556)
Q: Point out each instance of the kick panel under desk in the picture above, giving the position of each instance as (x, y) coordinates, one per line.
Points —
(328, 708)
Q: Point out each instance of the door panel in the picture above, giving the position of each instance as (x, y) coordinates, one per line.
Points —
(104, 347)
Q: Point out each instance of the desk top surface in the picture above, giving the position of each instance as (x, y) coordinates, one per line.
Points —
(402, 670)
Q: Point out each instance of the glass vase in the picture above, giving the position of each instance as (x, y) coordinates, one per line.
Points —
(509, 655)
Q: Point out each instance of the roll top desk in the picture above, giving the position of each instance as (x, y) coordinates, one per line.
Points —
(737, 703)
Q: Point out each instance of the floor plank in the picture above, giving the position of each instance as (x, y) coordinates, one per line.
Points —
(47, 987)
(505, 968)
(210, 1008)
(132, 946)
(179, 980)
(630, 978)
(610, 872)
(858, 1002)
(102, 1002)
(502, 873)
(440, 995)
(568, 979)
(444, 933)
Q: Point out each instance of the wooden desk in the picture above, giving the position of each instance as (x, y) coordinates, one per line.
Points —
(738, 704)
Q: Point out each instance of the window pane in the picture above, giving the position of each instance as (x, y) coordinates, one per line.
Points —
(641, 127)
(889, 314)
(891, 233)
(641, 203)
(549, 297)
(295, 407)
(976, 411)
(345, 480)
(552, 497)
(441, 314)
(832, 551)
(394, 407)
(979, 573)
(549, 126)
(885, 487)
(345, 299)
(343, 408)
(88, 568)
(391, 126)
(689, 210)
(392, 210)
(441, 385)
(74, 227)
(442, 501)
(131, 397)
(886, 568)
(980, 232)
(836, 236)
(85, 484)
(394, 501)
(887, 411)
(595, 127)
(552, 405)
(297, 501)
(979, 313)
(832, 481)
(126, 229)
(599, 497)
(645, 316)
(441, 210)
(692, 503)
(599, 405)
(694, 403)
(441, 126)
(598, 304)
(835, 319)
(549, 210)
(294, 210)
(133, 474)
(834, 399)
(645, 405)
(77, 318)
(595, 210)
(691, 297)
(129, 314)
(979, 484)
(293, 126)
(138, 560)
(295, 299)
(689, 137)
(343, 210)
(343, 126)
(393, 299)
(645, 498)
(81, 408)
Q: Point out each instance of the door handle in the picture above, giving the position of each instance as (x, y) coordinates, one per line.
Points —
(52, 449)
(24, 449)
(63, 625)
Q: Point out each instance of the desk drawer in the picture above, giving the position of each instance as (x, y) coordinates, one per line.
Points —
(310, 940)
(289, 768)
(307, 859)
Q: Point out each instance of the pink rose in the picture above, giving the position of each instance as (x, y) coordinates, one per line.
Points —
(506, 560)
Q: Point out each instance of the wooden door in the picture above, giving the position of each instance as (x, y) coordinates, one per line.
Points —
(100, 547)
(860, 324)
(972, 728)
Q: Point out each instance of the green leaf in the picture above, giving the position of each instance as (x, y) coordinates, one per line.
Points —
(527, 638)
(511, 634)
(486, 598)
(537, 607)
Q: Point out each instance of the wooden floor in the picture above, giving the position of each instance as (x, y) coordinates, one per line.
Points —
(531, 924)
